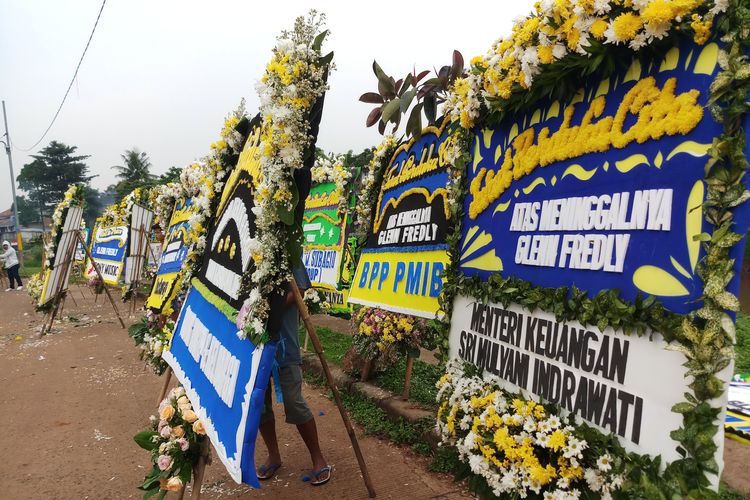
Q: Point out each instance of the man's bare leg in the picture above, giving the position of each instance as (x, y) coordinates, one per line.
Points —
(268, 432)
(309, 433)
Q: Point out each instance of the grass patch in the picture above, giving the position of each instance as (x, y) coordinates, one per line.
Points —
(445, 460)
(727, 493)
(376, 422)
(28, 271)
(424, 376)
(335, 344)
(742, 349)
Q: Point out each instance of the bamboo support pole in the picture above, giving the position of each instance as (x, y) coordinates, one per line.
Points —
(165, 387)
(58, 298)
(332, 384)
(200, 471)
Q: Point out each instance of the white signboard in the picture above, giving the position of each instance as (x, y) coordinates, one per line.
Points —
(140, 226)
(57, 276)
(323, 267)
(623, 384)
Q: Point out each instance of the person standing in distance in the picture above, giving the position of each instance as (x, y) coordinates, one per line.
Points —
(10, 263)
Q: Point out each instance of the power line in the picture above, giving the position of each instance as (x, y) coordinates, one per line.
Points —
(75, 75)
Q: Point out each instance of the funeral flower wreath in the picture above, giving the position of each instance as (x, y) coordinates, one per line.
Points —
(504, 439)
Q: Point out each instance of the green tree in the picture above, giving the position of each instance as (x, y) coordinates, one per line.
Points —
(171, 175)
(28, 213)
(134, 173)
(94, 206)
(54, 168)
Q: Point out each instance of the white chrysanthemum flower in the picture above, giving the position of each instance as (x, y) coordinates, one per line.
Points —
(604, 463)
(719, 7)
(559, 51)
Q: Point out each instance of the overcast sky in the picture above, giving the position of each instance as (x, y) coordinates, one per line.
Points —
(161, 75)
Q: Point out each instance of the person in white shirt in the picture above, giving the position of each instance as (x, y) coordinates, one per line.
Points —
(10, 263)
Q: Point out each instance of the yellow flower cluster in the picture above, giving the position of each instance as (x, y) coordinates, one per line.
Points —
(701, 29)
(386, 329)
(659, 112)
(510, 435)
(559, 28)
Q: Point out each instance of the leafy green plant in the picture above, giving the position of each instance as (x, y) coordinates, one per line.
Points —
(742, 348)
(394, 97)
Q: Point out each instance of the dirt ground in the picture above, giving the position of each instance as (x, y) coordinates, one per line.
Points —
(71, 402)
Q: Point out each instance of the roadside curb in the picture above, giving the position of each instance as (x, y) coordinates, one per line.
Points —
(393, 404)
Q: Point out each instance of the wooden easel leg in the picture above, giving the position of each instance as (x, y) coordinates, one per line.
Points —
(96, 268)
(72, 298)
(200, 471)
(332, 384)
(48, 327)
(165, 387)
(407, 377)
(62, 305)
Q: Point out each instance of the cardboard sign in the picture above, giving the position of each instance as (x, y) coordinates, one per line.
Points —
(108, 249)
(56, 277)
(224, 376)
(140, 228)
(401, 265)
(173, 253)
(598, 194)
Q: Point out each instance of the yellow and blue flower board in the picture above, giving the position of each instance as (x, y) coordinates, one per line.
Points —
(402, 262)
(224, 375)
(108, 249)
(603, 191)
(171, 262)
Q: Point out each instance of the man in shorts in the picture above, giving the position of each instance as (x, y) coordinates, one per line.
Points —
(290, 374)
(295, 408)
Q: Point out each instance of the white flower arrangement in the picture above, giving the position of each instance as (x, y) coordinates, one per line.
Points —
(331, 168)
(518, 446)
(369, 192)
(73, 197)
(294, 80)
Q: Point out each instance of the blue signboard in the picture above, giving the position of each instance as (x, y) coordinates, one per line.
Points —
(168, 281)
(175, 247)
(108, 249)
(603, 192)
(225, 378)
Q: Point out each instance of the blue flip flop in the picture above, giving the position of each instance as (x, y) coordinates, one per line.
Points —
(266, 472)
(327, 470)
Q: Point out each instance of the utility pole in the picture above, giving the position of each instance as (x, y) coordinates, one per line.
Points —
(6, 142)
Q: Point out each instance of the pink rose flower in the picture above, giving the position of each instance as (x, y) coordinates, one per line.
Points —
(164, 462)
(165, 431)
(242, 315)
(184, 445)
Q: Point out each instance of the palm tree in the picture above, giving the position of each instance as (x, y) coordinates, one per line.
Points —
(134, 173)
